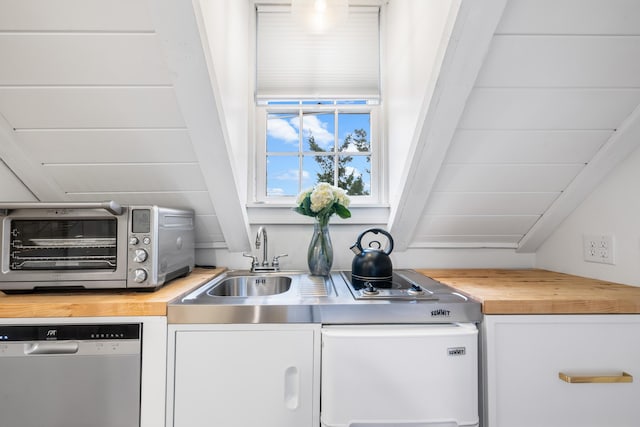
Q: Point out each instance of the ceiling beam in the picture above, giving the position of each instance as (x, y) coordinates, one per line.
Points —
(179, 28)
(469, 42)
(618, 147)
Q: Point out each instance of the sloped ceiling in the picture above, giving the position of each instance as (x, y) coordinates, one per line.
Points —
(536, 101)
(92, 107)
(551, 108)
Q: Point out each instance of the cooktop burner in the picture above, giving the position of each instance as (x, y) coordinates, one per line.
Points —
(405, 284)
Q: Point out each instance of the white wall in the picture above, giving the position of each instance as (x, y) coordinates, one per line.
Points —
(11, 188)
(294, 240)
(613, 208)
(227, 25)
(413, 47)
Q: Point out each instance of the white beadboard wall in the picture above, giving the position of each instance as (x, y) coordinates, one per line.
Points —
(12, 188)
(415, 39)
(613, 208)
(88, 105)
(559, 80)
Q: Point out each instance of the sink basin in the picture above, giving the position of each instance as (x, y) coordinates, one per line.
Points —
(250, 286)
(236, 288)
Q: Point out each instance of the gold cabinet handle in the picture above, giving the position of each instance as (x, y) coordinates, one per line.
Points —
(576, 379)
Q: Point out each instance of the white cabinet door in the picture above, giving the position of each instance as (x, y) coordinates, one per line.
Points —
(525, 356)
(243, 377)
(400, 375)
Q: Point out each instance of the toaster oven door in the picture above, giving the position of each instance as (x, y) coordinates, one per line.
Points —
(63, 250)
(63, 244)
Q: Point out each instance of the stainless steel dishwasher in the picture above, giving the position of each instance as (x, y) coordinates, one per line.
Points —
(70, 375)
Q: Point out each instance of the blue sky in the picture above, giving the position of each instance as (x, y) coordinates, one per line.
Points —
(283, 133)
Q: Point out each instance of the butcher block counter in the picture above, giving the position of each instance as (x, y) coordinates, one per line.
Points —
(500, 292)
(94, 303)
(539, 291)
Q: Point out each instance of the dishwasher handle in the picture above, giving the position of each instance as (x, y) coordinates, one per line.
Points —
(66, 347)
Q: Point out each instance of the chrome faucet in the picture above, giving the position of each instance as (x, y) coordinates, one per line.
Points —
(257, 266)
(262, 232)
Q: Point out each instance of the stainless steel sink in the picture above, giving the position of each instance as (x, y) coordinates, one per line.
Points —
(242, 287)
(251, 286)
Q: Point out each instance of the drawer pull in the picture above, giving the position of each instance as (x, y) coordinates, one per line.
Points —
(601, 379)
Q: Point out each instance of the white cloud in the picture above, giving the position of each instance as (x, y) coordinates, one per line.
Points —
(283, 130)
(350, 170)
(351, 148)
(313, 126)
(275, 191)
(287, 130)
(291, 175)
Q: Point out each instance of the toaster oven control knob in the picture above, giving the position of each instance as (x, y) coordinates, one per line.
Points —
(133, 240)
(139, 275)
(140, 255)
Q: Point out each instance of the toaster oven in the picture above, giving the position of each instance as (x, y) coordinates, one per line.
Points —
(93, 245)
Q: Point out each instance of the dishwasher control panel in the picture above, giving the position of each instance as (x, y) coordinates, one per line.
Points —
(129, 331)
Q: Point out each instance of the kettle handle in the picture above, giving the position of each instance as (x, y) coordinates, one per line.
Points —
(375, 231)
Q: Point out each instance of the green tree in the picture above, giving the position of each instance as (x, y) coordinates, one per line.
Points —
(352, 183)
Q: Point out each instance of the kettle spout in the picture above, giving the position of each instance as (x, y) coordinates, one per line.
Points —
(356, 249)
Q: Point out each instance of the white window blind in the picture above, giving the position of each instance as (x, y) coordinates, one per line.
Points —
(292, 63)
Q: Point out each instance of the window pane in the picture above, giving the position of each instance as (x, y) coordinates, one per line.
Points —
(317, 169)
(318, 131)
(352, 102)
(282, 132)
(282, 175)
(354, 132)
(283, 102)
(318, 102)
(355, 175)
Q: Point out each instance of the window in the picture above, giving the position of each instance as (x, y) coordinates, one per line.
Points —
(318, 142)
(317, 106)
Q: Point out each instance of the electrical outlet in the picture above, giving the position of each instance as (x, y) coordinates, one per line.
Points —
(598, 248)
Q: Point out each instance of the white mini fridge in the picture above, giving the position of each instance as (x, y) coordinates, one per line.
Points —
(400, 376)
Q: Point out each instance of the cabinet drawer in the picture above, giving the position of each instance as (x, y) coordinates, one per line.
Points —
(562, 371)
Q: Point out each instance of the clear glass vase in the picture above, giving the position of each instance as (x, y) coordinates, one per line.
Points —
(320, 253)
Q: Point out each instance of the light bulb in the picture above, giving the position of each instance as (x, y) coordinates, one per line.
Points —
(319, 16)
(320, 6)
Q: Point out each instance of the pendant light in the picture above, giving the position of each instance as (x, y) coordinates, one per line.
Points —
(319, 16)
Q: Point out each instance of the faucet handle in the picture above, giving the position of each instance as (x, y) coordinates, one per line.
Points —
(254, 259)
(276, 263)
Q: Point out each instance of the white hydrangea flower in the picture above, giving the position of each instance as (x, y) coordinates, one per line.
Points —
(321, 197)
(324, 199)
(302, 195)
(341, 196)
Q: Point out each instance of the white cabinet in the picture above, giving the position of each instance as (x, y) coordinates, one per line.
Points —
(243, 375)
(526, 355)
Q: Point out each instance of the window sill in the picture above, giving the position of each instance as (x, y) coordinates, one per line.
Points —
(278, 213)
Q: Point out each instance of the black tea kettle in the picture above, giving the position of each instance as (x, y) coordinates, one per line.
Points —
(372, 265)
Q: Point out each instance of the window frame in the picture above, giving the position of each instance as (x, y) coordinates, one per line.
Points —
(377, 196)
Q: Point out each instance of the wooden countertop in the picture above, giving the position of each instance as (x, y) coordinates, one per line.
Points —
(102, 302)
(539, 291)
(499, 291)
